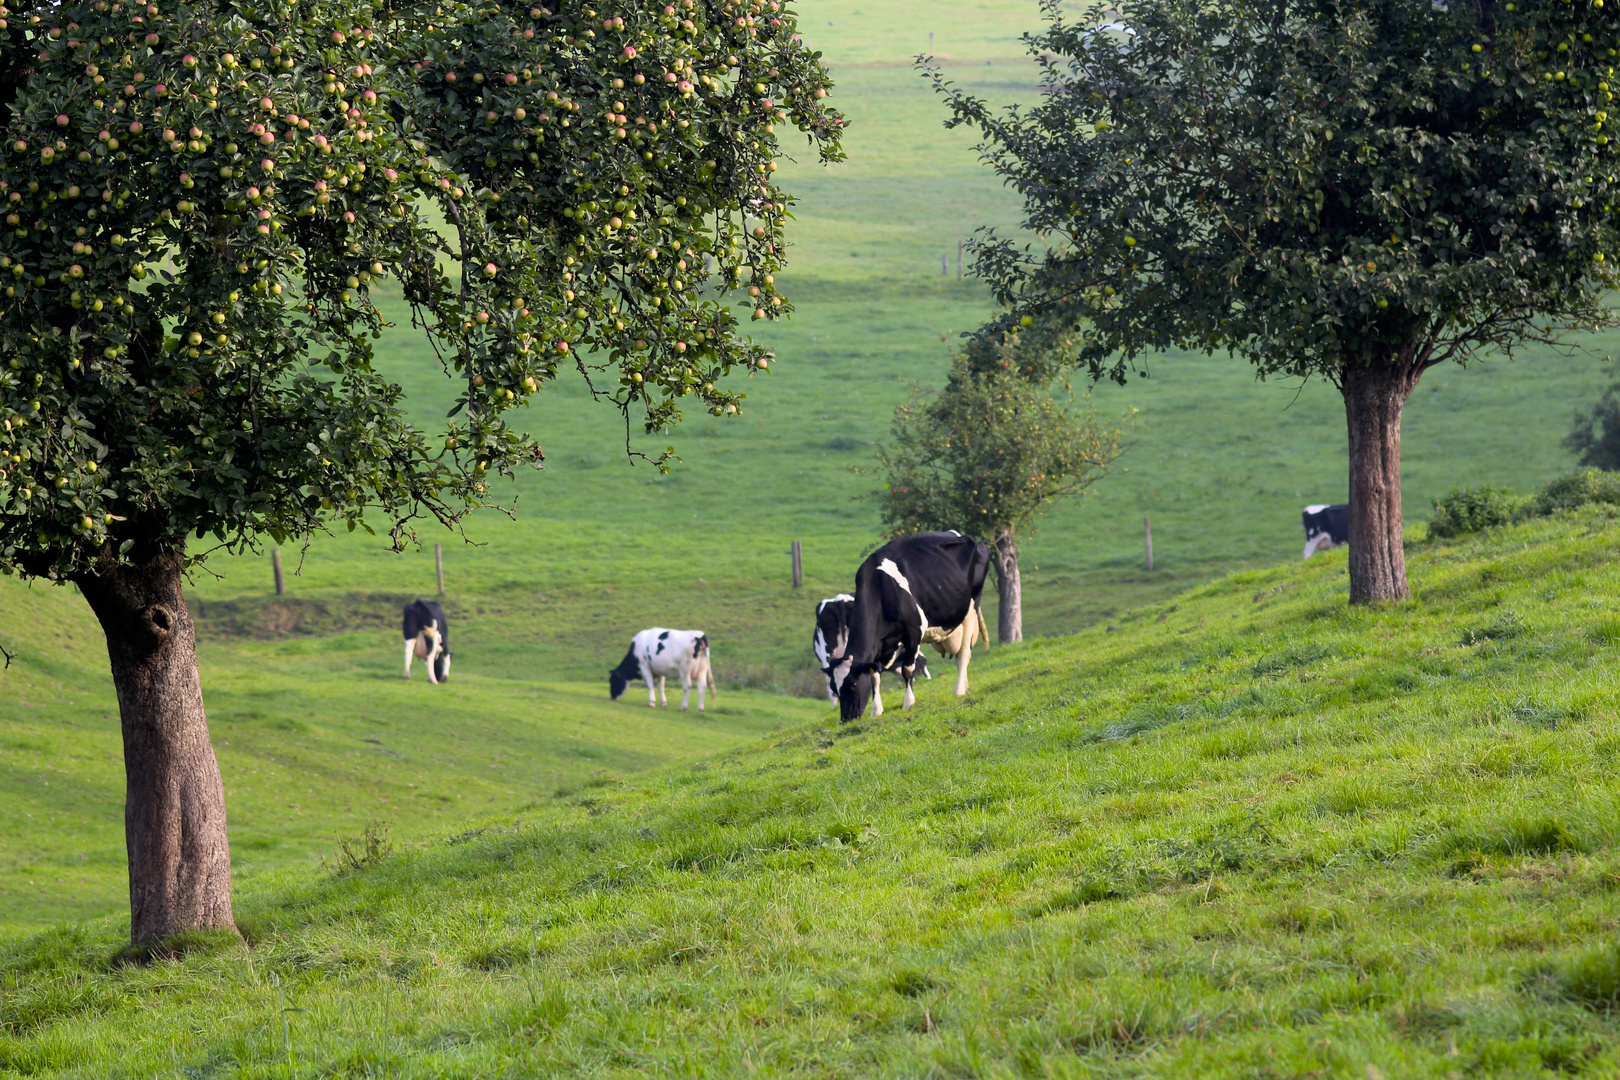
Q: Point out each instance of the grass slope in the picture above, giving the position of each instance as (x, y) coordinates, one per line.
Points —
(1251, 832)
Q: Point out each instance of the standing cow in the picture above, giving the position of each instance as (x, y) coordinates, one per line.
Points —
(658, 653)
(831, 641)
(427, 637)
(904, 589)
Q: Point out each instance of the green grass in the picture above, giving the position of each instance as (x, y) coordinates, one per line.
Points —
(1249, 832)
(1039, 880)
(317, 737)
(602, 548)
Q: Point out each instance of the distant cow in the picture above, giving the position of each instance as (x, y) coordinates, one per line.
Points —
(831, 641)
(1325, 527)
(658, 653)
(427, 636)
(904, 589)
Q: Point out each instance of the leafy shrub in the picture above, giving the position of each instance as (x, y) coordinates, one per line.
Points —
(1578, 489)
(1469, 509)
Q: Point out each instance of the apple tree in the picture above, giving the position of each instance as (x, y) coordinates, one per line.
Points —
(1353, 192)
(198, 200)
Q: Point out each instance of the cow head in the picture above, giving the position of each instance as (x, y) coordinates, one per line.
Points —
(854, 695)
(441, 666)
(620, 677)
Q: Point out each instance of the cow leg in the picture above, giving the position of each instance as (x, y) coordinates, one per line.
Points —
(686, 689)
(962, 659)
(877, 693)
(410, 648)
(652, 690)
(432, 659)
(911, 698)
(663, 698)
(703, 682)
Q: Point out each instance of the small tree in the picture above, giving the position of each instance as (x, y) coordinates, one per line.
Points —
(1355, 192)
(1594, 438)
(197, 199)
(989, 454)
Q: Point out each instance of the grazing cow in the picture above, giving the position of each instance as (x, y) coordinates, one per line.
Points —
(1325, 526)
(427, 637)
(658, 653)
(905, 588)
(831, 640)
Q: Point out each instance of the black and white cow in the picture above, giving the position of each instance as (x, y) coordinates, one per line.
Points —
(1325, 527)
(831, 641)
(658, 653)
(905, 589)
(427, 637)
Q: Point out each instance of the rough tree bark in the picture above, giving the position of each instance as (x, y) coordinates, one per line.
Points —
(1010, 623)
(1374, 395)
(174, 805)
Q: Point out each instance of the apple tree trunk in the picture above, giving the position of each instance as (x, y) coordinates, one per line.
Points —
(1010, 624)
(1374, 395)
(174, 804)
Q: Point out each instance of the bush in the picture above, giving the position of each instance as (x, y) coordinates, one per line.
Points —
(1578, 489)
(1469, 509)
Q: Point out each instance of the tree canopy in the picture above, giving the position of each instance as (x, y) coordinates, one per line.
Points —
(1349, 191)
(199, 199)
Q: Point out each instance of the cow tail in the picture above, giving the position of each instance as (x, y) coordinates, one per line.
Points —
(702, 652)
(983, 627)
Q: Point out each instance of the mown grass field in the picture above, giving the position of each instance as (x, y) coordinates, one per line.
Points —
(1250, 832)
(543, 605)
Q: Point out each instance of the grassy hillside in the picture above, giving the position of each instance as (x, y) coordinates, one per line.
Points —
(1249, 832)
(317, 737)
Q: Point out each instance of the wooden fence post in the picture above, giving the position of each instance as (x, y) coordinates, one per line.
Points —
(944, 266)
(798, 566)
(438, 565)
(1147, 536)
(275, 568)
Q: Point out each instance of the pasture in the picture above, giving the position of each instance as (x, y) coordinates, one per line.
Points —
(1249, 832)
(602, 547)
(1233, 835)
